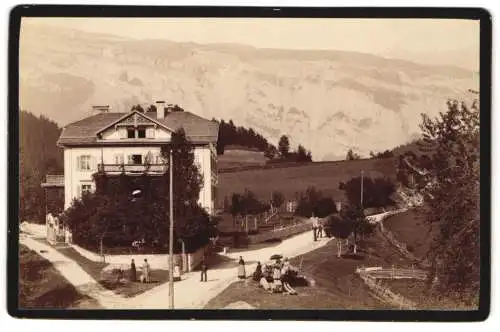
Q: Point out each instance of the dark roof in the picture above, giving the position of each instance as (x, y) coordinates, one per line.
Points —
(83, 132)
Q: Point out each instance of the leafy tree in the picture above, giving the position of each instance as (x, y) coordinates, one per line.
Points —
(355, 215)
(284, 146)
(277, 199)
(324, 207)
(313, 201)
(340, 229)
(351, 155)
(452, 198)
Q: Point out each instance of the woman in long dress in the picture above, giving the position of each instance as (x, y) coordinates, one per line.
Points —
(257, 275)
(133, 272)
(241, 269)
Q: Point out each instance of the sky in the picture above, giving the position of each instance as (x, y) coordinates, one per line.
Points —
(454, 42)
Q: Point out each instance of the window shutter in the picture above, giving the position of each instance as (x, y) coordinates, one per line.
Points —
(78, 191)
(130, 160)
(150, 132)
(78, 163)
(93, 163)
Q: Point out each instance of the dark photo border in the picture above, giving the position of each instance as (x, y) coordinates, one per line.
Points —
(277, 12)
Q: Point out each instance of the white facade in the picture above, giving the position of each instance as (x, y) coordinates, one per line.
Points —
(80, 163)
(129, 144)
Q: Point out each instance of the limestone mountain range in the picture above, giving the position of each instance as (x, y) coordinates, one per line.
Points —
(329, 101)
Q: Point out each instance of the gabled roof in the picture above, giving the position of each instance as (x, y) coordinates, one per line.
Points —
(131, 114)
(84, 132)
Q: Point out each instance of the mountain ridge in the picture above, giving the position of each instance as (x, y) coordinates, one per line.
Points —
(275, 91)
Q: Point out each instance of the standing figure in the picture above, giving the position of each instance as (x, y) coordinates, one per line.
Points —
(257, 275)
(320, 229)
(241, 269)
(204, 269)
(315, 227)
(132, 272)
(146, 271)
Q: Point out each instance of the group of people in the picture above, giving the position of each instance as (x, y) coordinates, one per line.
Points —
(146, 272)
(272, 277)
(319, 230)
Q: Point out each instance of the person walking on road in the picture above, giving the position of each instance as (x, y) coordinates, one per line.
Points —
(314, 226)
(204, 269)
(241, 269)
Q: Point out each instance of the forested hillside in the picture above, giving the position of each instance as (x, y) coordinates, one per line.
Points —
(38, 155)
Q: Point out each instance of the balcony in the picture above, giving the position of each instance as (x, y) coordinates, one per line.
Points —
(131, 169)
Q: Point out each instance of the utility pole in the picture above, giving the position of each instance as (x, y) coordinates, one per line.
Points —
(362, 173)
(171, 234)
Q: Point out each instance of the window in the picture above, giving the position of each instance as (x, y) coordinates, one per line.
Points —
(140, 132)
(86, 188)
(119, 158)
(84, 163)
(136, 159)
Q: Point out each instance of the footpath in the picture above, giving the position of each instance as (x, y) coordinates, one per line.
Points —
(189, 293)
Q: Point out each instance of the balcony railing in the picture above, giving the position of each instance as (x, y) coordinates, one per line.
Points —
(152, 169)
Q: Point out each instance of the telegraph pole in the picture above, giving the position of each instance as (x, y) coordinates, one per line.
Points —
(362, 173)
(171, 235)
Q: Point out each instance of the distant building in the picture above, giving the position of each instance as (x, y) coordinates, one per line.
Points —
(130, 143)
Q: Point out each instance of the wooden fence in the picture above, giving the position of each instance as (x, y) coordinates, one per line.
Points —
(372, 277)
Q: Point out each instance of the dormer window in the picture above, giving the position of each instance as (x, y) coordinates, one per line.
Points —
(138, 132)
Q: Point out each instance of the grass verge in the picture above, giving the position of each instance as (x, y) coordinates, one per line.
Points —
(41, 286)
(128, 289)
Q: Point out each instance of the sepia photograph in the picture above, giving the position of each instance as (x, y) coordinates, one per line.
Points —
(250, 163)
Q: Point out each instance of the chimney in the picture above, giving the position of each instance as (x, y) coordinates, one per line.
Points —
(160, 109)
(100, 108)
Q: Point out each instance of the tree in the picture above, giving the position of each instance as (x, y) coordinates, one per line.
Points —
(38, 156)
(351, 155)
(301, 154)
(236, 206)
(340, 229)
(271, 152)
(137, 108)
(187, 183)
(452, 198)
(376, 192)
(277, 199)
(324, 207)
(355, 215)
(284, 146)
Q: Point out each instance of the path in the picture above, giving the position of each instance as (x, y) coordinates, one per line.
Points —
(190, 293)
(70, 270)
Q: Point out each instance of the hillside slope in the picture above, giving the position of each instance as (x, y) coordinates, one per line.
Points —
(292, 179)
(327, 100)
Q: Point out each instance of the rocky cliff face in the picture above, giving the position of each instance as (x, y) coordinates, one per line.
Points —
(327, 100)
